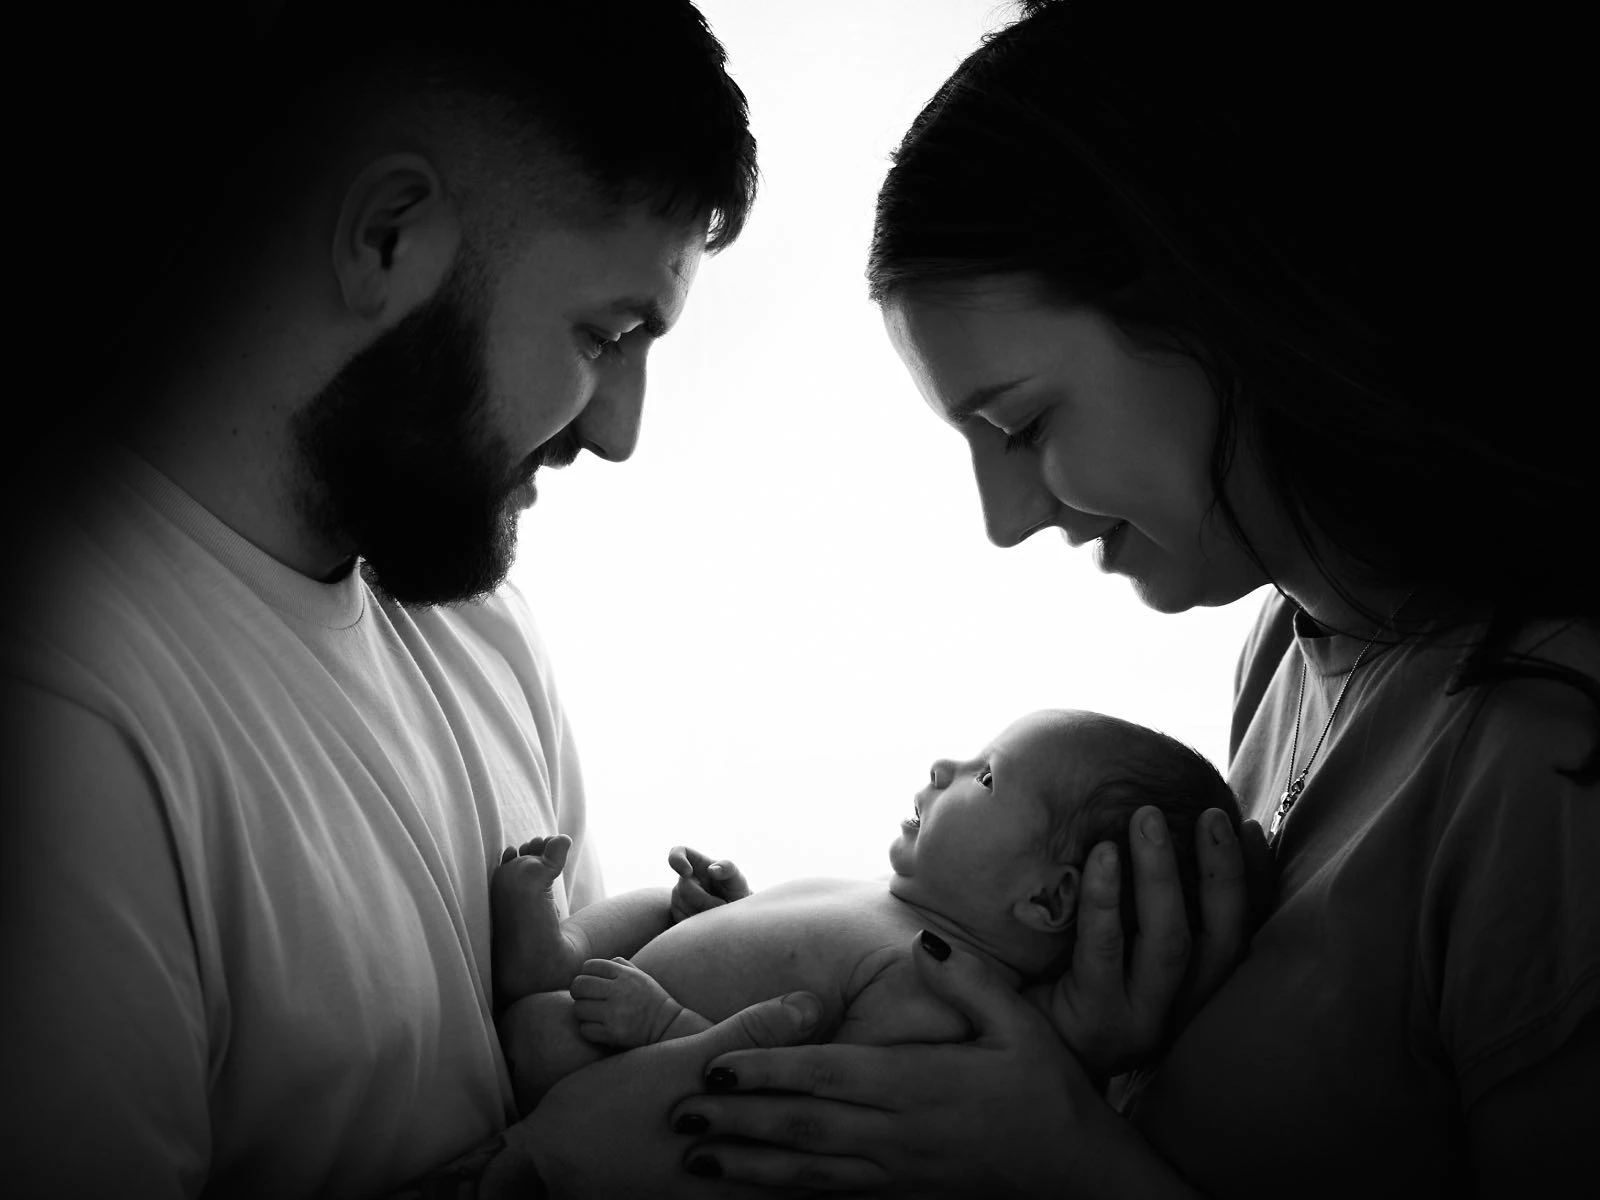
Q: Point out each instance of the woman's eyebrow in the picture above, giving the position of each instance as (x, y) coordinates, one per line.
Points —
(981, 398)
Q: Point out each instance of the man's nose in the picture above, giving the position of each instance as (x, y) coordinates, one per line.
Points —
(609, 424)
(1015, 503)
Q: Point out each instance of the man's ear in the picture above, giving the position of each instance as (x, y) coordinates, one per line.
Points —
(397, 236)
(1051, 904)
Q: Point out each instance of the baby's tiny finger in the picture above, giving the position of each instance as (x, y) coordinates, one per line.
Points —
(728, 881)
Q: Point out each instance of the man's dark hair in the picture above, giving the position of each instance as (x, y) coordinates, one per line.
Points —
(628, 102)
(579, 108)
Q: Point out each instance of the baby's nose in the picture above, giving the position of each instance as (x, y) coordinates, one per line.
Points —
(941, 773)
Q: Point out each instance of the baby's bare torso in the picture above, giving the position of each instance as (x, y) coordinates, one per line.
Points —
(849, 942)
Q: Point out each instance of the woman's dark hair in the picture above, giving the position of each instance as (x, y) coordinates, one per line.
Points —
(1344, 216)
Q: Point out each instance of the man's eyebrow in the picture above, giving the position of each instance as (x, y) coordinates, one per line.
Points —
(980, 398)
(646, 310)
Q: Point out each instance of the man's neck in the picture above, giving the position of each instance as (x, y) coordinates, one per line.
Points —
(213, 410)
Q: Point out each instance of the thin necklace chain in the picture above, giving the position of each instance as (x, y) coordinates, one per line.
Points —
(1295, 784)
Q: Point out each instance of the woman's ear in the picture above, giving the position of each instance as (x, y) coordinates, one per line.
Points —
(1051, 904)
(397, 236)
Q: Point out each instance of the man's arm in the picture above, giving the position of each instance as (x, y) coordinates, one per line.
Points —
(104, 1028)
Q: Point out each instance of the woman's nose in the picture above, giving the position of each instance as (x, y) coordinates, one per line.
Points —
(1015, 503)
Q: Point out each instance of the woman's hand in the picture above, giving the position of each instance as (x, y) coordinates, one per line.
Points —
(603, 1130)
(703, 882)
(1007, 1114)
(1116, 1014)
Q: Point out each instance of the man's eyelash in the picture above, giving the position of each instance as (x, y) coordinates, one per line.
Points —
(1025, 437)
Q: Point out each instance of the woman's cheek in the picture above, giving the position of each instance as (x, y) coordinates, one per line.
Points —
(1080, 483)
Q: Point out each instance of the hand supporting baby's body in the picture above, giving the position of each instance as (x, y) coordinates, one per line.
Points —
(846, 942)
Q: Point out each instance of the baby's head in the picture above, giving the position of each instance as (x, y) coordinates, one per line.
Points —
(998, 841)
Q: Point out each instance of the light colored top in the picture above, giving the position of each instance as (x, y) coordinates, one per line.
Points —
(271, 972)
(1437, 926)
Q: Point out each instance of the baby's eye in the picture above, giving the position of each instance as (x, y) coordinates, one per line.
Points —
(985, 779)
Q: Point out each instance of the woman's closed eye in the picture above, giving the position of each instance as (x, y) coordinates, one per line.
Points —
(1026, 437)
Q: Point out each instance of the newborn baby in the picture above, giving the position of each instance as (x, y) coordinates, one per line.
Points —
(991, 860)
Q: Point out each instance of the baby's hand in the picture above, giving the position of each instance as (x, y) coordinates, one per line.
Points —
(703, 882)
(617, 1004)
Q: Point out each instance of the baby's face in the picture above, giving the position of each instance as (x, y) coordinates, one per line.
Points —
(980, 823)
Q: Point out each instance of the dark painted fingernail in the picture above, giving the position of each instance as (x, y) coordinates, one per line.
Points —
(691, 1123)
(704, 1164)
(935, 945)
(720, 1079)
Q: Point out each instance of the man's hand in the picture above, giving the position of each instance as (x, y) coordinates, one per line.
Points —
(605, 1130)
(703, 882)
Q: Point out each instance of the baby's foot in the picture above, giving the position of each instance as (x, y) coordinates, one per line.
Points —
(618, 1005)
(530, 954)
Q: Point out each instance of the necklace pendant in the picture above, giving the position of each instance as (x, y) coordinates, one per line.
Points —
(1285, 803)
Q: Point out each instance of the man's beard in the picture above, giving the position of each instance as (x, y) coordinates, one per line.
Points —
(400, 459)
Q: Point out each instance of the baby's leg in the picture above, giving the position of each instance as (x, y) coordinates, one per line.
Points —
(540, 1038)
(616, 1004)
(530, 953)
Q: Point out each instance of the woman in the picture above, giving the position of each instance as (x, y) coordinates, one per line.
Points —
(1230, 301)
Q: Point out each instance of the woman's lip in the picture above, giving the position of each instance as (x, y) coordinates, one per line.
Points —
(1107, 545)
(1076, 542)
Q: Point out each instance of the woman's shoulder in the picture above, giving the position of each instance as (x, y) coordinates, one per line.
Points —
(1538, 712)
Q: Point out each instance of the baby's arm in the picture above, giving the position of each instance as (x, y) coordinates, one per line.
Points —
(535, 948)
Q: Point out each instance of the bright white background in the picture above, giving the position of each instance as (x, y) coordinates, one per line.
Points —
(772, 618)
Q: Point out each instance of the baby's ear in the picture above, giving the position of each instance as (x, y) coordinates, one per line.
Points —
(1051, 905)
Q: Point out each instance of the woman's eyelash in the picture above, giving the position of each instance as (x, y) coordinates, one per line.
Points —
(1025, 437)
(985, 777)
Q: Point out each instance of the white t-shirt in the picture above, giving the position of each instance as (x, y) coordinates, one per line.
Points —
(273, 979)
